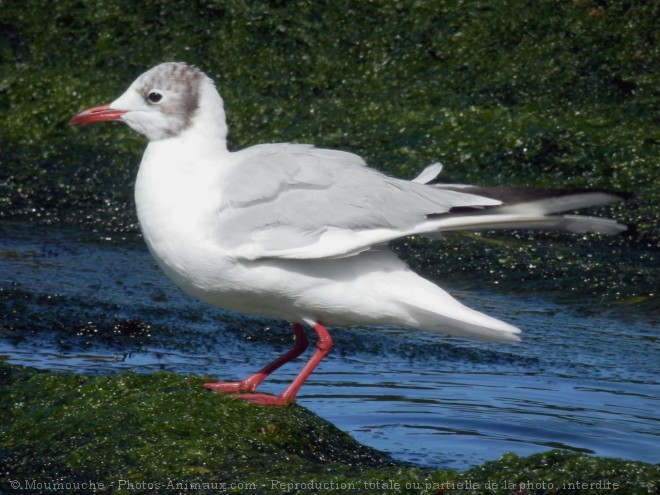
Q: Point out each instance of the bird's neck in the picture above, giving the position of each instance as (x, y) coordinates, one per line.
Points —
(210, 123)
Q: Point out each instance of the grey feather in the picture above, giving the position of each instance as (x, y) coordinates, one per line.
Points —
(298, 201)
(302, 191)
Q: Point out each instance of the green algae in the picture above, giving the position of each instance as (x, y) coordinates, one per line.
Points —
(561, 472)
(157, 428)
(554, 93)
(518, 92)
(163, 433)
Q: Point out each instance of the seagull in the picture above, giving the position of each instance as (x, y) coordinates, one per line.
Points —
(301, 233)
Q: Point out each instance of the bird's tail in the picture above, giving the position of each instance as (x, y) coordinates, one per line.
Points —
(523, 208)
(530, 209)
(429, 307)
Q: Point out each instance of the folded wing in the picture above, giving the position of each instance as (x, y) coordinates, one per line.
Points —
(301, 202)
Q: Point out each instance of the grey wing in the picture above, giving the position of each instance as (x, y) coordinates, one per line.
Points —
(297, 201)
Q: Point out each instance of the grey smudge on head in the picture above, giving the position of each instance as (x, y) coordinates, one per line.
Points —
(185, 82)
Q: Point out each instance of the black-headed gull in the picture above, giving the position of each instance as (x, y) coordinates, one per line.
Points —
(301, 233)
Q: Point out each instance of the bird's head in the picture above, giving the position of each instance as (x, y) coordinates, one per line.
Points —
(163, 103)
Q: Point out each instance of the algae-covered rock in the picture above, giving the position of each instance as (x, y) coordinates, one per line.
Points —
(163, 433)
(153, 429)
(549, 94)
(561, 472)
(552, 93)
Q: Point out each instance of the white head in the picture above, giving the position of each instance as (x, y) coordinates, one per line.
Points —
(165, 102)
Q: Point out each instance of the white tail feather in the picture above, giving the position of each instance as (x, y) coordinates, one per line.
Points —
(570, 223)
(559, 204)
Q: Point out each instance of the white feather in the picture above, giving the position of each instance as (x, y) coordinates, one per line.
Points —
(296, 232)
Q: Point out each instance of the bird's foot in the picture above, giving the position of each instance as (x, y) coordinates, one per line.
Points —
(264, 399)
(248, 384)
(259, 399)
(228, 387)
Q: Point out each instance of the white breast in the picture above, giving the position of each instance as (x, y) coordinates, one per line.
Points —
(176, 193)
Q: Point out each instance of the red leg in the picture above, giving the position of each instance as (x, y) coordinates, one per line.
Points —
(251, 383)
(323, 346)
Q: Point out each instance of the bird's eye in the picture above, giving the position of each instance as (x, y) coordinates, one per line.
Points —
(154, 96)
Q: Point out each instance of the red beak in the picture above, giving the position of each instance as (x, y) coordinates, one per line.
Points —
(97, 114)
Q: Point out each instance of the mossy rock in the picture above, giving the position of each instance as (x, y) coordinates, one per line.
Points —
(551, 93)
(150, 433)
(521, 93)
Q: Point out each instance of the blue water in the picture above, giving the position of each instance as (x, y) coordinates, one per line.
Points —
(584, 381)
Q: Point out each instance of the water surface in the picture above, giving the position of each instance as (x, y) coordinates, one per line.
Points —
(584, 381)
